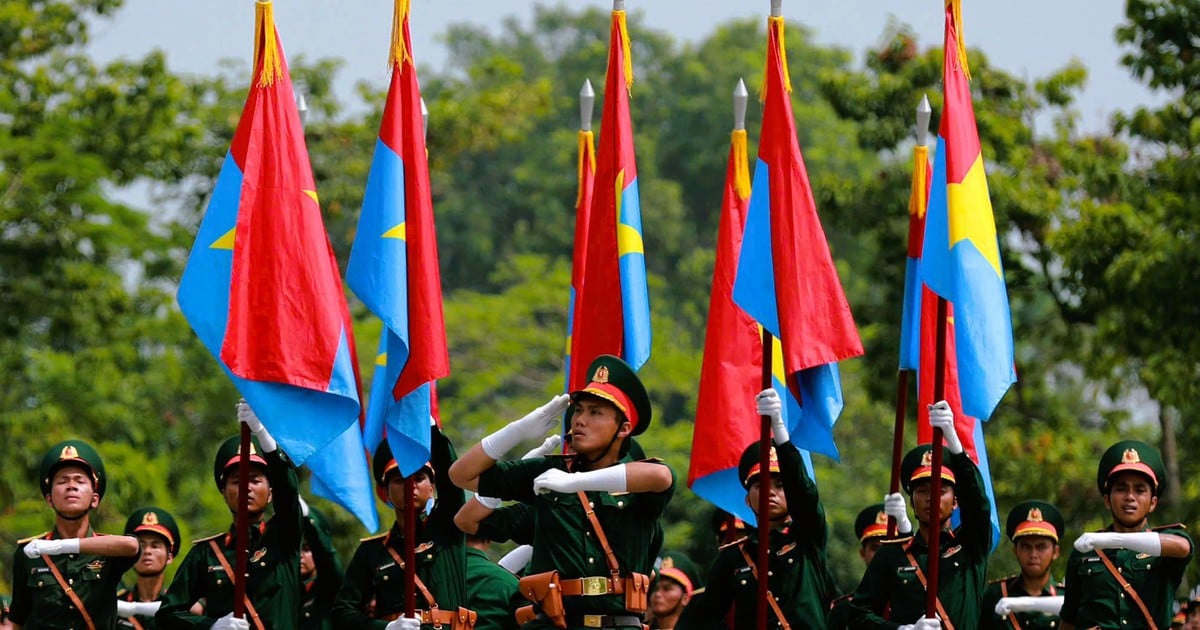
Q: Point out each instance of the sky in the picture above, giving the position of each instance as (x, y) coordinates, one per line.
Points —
(1030, 38)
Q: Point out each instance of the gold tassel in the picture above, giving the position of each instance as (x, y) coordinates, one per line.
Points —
(625, 47)
(266, 49)
(587, 159)
(917, 200)
(741, 165)
(399, 53)
(956, 17)
(777, 22)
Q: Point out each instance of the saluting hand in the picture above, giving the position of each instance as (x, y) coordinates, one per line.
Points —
(534, 425)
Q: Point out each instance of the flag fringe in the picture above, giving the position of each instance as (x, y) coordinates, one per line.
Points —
(956, 17)
(266, 49)
(587, 159)
(399, 54)
(777, 23)
(741, 164)
(625, 47)
(918, 199)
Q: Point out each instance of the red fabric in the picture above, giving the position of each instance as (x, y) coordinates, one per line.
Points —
(961, 138)
(963, 425)
(583, 209)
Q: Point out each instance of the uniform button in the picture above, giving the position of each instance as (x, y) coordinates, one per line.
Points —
(591, 504)
(743, 582)
(262, 564)
(587, 533)
(70, 580)
(385, 578)
(218, 581)
(790, 560)
(591, 560)
(620, 504)
(770, 573)
(429, 557)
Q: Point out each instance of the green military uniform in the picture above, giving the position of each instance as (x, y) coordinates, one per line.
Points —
(798, 577)
(320, 588)
(563, 539)
(680, 569)
(375, 573)
(1028, 518)
(1094, 598)
(149, 520)
(870, 524)
(513, 522)
(273, 586)
(39, 601)
(893, 584)
(491, 592)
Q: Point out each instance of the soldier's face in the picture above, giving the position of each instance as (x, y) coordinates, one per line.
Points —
(777, 503)
(1130, 499)
(668, 598)
(922, 502)
(71, 492)
(1035, 554)
(868, 549)
(306, 561)
(156, 555)
(259, 495)
(422, 489)
(594, 424)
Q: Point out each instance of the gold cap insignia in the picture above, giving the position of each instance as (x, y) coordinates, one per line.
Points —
(1035, 515)
(668, 563)
(69, 452)
(927, 458)
(1130, 456)
(601, 375)
(149, 518)
(881, 518)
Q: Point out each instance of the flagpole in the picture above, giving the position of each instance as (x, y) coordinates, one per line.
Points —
(242, 526)
(764, 489)
(935, 482)
(410, 534)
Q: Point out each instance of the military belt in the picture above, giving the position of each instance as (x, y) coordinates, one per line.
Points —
(601, 585)
(602, 621)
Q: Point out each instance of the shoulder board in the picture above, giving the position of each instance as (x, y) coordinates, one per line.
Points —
(892, 541)
(1003, 579)
(652, 460)
(207, 538)
(25, 540)
(736, 542)
(1171, 526)
(375, 537)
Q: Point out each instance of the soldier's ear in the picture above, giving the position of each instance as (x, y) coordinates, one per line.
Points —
(625, 429)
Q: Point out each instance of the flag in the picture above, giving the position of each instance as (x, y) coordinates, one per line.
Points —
(961, 259)
(262, 289)
(612, 305)
(585, 176)
(394, 266)
(786, 280)
(910, 319)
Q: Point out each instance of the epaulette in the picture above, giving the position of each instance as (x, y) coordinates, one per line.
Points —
(31, 538)
(898, 539)
(375, 537)
(1003, 579)
(736, 542)
(1171, 526)
(652, 460)
(207, 538)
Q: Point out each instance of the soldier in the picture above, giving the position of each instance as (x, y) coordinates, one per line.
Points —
(800, 587)
(1126, 575)
(871, 529)
(273, 567)
(1031, 599)
(894, 583)
(158, 535)
(320, 570)
(376, 572)
(595, 512)
(491, 588)
(68, 577)
(676, 582)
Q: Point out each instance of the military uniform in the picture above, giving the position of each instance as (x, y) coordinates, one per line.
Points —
(150, 520)
(1028, 518)
(321, 588)
(39, 601)
(680, 569)
(798, 576)
(870, 524)
(375, 573)
(1094, 597)
(491, 592)
(892, 590)
(273, 566)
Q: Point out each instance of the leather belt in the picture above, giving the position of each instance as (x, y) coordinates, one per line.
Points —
(437, 616)
(602, 621)
(591, 586)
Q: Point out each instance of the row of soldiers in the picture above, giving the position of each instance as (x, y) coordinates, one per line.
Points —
(591, 543)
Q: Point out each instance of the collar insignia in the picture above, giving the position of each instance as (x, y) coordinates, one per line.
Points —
(258, 555)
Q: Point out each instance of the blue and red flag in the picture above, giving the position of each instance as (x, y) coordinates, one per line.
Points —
(612, 304)
(262, 289)
(586, 178)
(786, 279)
(910, 319)
(394, 266)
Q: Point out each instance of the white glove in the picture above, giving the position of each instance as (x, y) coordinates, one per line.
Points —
(247, 417)
(942, 417)
(136, 609)
(894, 506)
(36, 548)
(768, 403)
(1141, 542)
(228, 622)
(534, 425)
(1047, 604)
(549, 446)
(610, 479)
(924, 623)
(490, 503)
(515, 560)
(404, 623)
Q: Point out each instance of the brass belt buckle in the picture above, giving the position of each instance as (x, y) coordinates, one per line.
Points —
(593, 621)
(595, 586)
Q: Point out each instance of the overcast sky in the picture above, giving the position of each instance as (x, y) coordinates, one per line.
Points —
(1027, 37)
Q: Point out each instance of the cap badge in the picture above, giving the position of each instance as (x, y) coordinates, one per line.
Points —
(1130, 456)
(69, 452)
(927, 458)
(149, 518)
(1035, 515)
(601, 375)
(881, 518)
(668, 563)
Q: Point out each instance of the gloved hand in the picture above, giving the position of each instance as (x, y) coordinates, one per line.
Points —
(1142, 542)
(549, 446)
(136, 609)
(768, 403)
(534, 425)
(1044, 604)
(894, 506)
(39, 547)
(942, 417)
(228, 622)
(610, 479)
(925, 623)
(515, 560)
(247, 417)
(404, 623)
